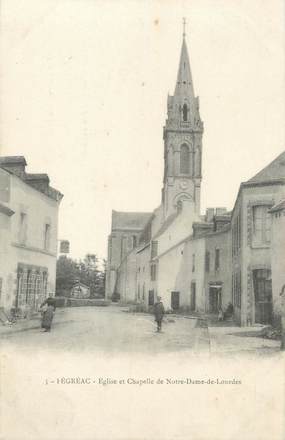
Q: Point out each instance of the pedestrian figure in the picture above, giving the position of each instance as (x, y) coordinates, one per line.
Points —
(48, 308)
(220, 314)
(158, 313)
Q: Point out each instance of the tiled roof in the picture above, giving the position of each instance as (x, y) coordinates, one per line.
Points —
(4, 160)
(278, 207)
(37, 176)
(13, 163)
(130, 220)
(275, 170)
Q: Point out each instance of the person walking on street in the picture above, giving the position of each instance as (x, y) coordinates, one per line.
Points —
(48, 308)
(158, 313)
(220, 314)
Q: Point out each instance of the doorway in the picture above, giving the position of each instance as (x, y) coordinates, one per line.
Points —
(193, 296)
(151, 297)
(215, 298)
(262, 285)
(175, 300)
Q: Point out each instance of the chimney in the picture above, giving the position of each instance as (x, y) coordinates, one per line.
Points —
(221, 211)
(210, 212)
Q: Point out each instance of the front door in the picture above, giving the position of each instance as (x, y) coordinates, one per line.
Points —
(175, 301)
(262, 285)
(215, 299)
(151, 297)
(193, 296)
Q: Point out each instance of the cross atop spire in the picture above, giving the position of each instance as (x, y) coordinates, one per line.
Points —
(184, 27)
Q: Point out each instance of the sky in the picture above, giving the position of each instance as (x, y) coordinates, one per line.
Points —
(84, 87)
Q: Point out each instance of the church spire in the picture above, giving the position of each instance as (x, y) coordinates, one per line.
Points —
(184, 84)
(182, 141)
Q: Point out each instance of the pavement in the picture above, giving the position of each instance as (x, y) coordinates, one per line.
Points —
(114, 329)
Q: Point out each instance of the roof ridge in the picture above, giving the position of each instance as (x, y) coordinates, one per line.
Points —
(274, 170)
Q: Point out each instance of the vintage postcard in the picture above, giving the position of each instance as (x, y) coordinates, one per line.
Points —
(142, 210)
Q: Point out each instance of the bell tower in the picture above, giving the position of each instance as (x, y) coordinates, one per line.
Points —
(182, 136)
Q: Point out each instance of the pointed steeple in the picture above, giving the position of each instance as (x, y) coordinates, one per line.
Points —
(182, 136)
(183, 106)
(184, 83)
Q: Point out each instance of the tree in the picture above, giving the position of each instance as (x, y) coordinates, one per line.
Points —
(89, 273)
(66, 275)
(86, 271)
(102, 280)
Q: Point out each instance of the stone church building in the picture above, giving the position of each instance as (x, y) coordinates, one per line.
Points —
(197, 262)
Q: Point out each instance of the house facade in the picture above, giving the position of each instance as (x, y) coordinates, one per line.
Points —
(80, 290)
(193, 261)
(28, 235)
(252, 245)
(277, 257)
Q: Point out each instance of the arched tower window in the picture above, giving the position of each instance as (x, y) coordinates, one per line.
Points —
(184, 159)
(185, 112)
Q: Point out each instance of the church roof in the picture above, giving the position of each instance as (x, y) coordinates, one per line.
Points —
(275, 170)
(130, 220)
(166, 224)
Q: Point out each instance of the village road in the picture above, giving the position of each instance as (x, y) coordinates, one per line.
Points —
(112, 329)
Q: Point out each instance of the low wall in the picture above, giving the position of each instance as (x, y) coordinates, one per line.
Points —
(62, 301)
(81, 302)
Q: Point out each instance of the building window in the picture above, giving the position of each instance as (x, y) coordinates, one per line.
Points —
(261, 225)
(153, 272)
(134, 241)
(184, 159)
(45, 279)
(185, 112)
(139, 292)
(31, 286)
(217, 259)
(47, 237)
(193, 263)
(154, 248)
(207, 262)
(23, 228)
(236, 289)
(236, 235)
(143, 292)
